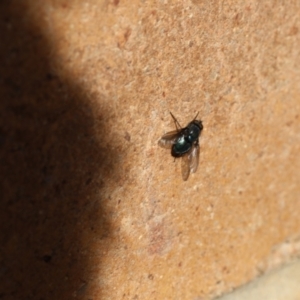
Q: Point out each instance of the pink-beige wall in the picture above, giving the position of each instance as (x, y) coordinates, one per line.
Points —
(91, 207)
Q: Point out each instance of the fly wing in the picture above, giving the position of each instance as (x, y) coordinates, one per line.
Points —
(185, 167)
(190, 161)
(168, 139)
(194, 158)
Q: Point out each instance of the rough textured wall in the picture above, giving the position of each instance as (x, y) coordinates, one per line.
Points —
(91, 208)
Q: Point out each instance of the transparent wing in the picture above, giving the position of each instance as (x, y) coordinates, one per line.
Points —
(194, 158)
(189, 162)
(168, 139)
(185, 167)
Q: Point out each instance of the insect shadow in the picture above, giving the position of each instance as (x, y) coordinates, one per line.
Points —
(184, 142)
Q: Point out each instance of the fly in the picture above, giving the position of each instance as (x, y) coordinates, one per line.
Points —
(184, 143)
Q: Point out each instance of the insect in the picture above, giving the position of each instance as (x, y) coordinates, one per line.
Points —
(184, 143)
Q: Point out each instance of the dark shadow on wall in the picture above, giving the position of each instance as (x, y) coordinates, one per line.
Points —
(52, 170)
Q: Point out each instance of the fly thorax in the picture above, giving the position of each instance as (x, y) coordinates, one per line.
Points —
(194, 132)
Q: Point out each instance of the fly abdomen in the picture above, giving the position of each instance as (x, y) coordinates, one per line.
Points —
(181, 146)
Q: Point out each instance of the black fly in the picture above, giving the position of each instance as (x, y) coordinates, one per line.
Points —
(184, 142)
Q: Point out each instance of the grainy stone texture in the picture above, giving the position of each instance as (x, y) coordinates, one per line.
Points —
(282, 284)
(90, 207)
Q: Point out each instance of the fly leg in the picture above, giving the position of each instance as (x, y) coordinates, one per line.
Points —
(178, 127)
